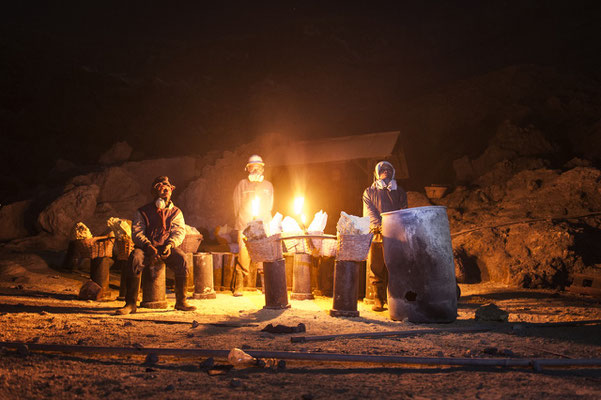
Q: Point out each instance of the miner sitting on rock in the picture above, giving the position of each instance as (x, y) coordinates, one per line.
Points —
(158, 228)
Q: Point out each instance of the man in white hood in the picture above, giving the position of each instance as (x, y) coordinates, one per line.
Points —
(382, 196)
(254, 189)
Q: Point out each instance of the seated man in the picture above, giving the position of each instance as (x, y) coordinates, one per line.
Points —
(158, 228)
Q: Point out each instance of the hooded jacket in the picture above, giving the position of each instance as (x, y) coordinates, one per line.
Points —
(379, 197)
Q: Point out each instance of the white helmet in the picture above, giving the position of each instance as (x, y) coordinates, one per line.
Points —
(254, 159)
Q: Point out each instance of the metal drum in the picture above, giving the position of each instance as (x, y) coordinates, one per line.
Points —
(419, 257)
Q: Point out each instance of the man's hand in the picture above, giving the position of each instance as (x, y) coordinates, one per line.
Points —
(166, 251)
(376, 230)
(150, 251)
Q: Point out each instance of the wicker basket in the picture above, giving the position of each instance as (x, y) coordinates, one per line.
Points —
(328, 247)
(99, 246)
(123, 248)
(353, 247)
(296, 245)
(268, 249)
(191, 243)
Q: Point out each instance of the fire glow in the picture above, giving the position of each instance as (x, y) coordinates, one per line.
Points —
(254, 206)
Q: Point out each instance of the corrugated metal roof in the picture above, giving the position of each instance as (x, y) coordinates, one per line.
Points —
(371, 145)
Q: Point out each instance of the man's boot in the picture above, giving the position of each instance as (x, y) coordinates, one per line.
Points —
(238, 282)
(379, 299)
(131, 294)
(180, 295)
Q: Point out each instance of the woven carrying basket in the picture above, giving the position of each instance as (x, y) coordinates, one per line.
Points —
(353, 247)
(268, 249)
(297, 245)
(122, 249)
(99, 246)
(328, 247)
(191, 243)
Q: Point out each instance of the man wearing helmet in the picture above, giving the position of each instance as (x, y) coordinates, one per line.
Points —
(158, 228)
(255, 189)
(382, 196)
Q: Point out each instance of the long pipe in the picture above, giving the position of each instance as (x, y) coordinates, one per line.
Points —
(536, 363)
(301, 339)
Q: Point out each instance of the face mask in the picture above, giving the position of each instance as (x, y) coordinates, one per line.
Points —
(256, 177)
(160, 203)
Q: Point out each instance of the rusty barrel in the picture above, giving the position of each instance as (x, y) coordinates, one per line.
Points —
(203, 276)
(301, 277)
(419, 257)
(153, 285)
(217, 270)
(346, 285)
(274, 275)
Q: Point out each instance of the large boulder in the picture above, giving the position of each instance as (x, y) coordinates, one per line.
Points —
(75, 204)
(12, 220)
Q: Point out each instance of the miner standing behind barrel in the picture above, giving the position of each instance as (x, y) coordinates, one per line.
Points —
(382, 196)
(158, 228)
(253, 190)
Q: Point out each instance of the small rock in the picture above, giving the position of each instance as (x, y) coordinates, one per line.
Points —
(169, 388)
(207, 364)
(81, 341)
(23, 350)
(44, 313)
(151, 359)
(128, 323)
(282, 364)
(490, 312)
(507, 353)
(35, 339)
(195, 324)
(189, 335)
(137, 346)
(235, 383)
(149, 369)
(90, 291)
(490, 350)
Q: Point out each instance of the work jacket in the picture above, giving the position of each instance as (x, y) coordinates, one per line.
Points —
(155, 226)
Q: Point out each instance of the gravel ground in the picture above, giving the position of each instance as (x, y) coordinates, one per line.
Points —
(42, 308)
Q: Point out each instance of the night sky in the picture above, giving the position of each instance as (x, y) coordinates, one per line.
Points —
(175, 78)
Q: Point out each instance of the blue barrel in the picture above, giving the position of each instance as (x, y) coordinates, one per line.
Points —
(419, 257)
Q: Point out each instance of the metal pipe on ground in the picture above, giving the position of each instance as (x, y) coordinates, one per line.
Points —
(536, 363)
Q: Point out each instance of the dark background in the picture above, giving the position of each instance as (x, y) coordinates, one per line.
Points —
(185, 78)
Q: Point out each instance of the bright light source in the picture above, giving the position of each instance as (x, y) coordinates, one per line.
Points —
(298, 205)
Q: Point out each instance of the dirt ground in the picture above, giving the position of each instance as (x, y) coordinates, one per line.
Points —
(43, 308)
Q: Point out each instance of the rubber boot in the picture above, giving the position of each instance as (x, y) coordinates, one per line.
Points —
(131, 294)
(379, 299)
(180, 294)
(238, 282)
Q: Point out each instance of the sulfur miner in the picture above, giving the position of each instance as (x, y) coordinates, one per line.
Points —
(158, 228)
(382, 196)
(253, 199)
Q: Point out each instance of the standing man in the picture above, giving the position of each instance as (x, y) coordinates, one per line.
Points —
(382, 196)
(158, 228)
(253, 199)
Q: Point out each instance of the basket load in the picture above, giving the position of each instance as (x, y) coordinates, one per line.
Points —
(192, 240)
(261, 247)
(124, 244)
(89, 246)
(353, 238)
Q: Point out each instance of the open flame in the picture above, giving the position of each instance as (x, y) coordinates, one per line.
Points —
(254, 206)
(298, 205)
